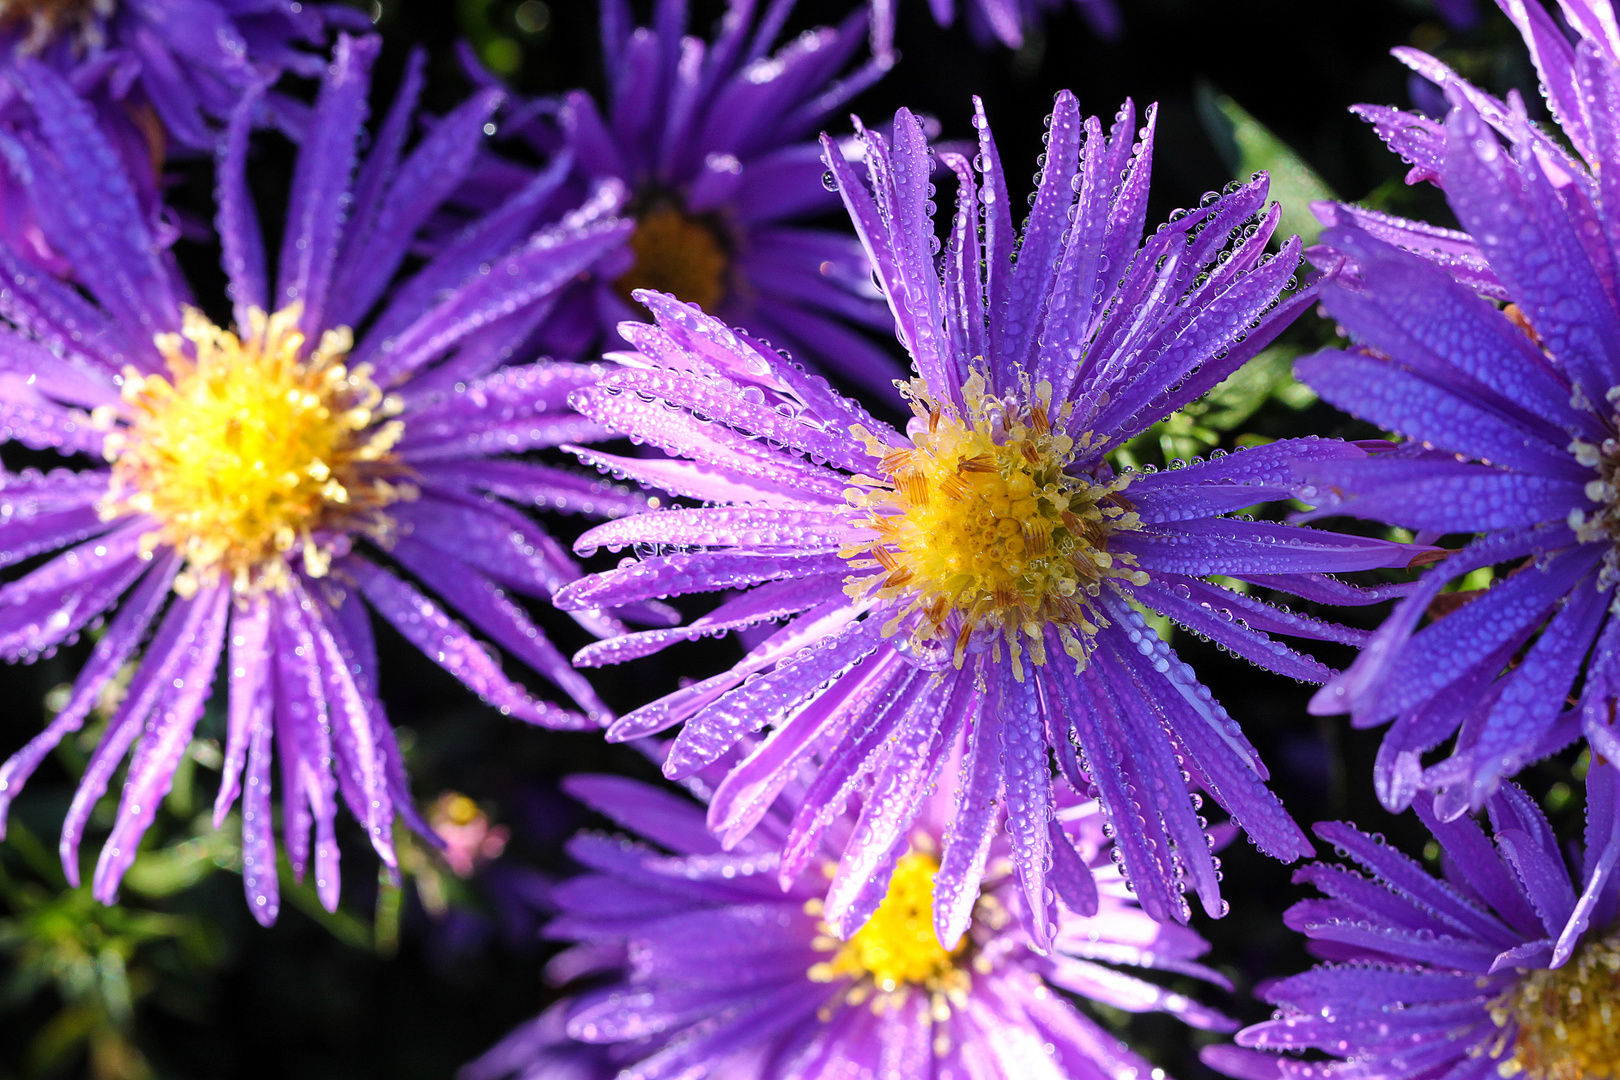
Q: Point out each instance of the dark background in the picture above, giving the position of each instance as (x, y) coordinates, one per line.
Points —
(216, 996)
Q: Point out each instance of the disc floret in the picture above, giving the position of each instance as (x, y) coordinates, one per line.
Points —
(678, 253)
(1566, 1021)
(1602, 524)
(979, 524)
(250, 451)
(897, 946)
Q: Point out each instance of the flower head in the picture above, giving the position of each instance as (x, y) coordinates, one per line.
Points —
(1509, 417)
(713, 144)
(981, 572)
(1500, 968)
(258, 481)
(161, 78)
(190, 63)
(704, 965)
(1004, 21)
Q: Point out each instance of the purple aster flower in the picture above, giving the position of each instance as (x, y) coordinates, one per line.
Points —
(999, 20)
(1502, 967)
(1574, 76)
(714, 143)
(161, 75)
(982, 570)
(704, 966)
(1510, 420)
(256, 478)
(188, 62)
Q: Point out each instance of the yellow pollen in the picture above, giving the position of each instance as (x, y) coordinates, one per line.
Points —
(251, 449)
(897, 946)
(979, 524)
(679, 254)
(1568, 1019)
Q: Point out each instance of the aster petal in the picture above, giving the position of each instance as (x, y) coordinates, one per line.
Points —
(372, 252)
(1405, 306)
(173, 639)
(249, 705)
(767, 699)
(113, 251)
(1443, 651)
(1453, 251)
(1534, 692)
(427, 627)
(321, 178)
(259, 874)
(1527, 234)
(1436, 413)
(1221, 625)
(664, 576)
(1224, 545)
(1444, 496)
(164, 741)
(743, 799)
(767, 603)
(549, 261)
(69, 378)
(51, 604)
(967, 839)
(660, 816)
(116, 646)
(489, 609)
(236, 220)
(57, 316)
(910, 766)
(714, 483)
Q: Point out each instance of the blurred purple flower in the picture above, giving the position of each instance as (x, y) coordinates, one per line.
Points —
(702, 965)
(160, 75)
(713, 142)
(248, 472)
(1458, 14)
(1499, 968)
(1578, 83)
(190, 62)
(1005, 21)
(1510, 417)
(981, 571)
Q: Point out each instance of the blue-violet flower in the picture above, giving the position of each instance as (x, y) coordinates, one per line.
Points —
(247, 469)
(1502, 967)
(1512, 435)
(704, 966)
(981, 572)
(714, 143)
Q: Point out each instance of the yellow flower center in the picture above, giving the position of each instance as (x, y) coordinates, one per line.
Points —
(979, 521)
(250, 449)
(897, 946)
(678, 254)
(1568, 1019)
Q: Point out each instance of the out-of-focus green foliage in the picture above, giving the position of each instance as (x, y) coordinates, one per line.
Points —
(1248, 147)
(99, 962)
(502, 32)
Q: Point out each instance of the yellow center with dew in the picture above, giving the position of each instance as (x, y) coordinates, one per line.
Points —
(252, 449)
(979, 524)
(1566, 1021)
(897, 946)
(679, 254)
